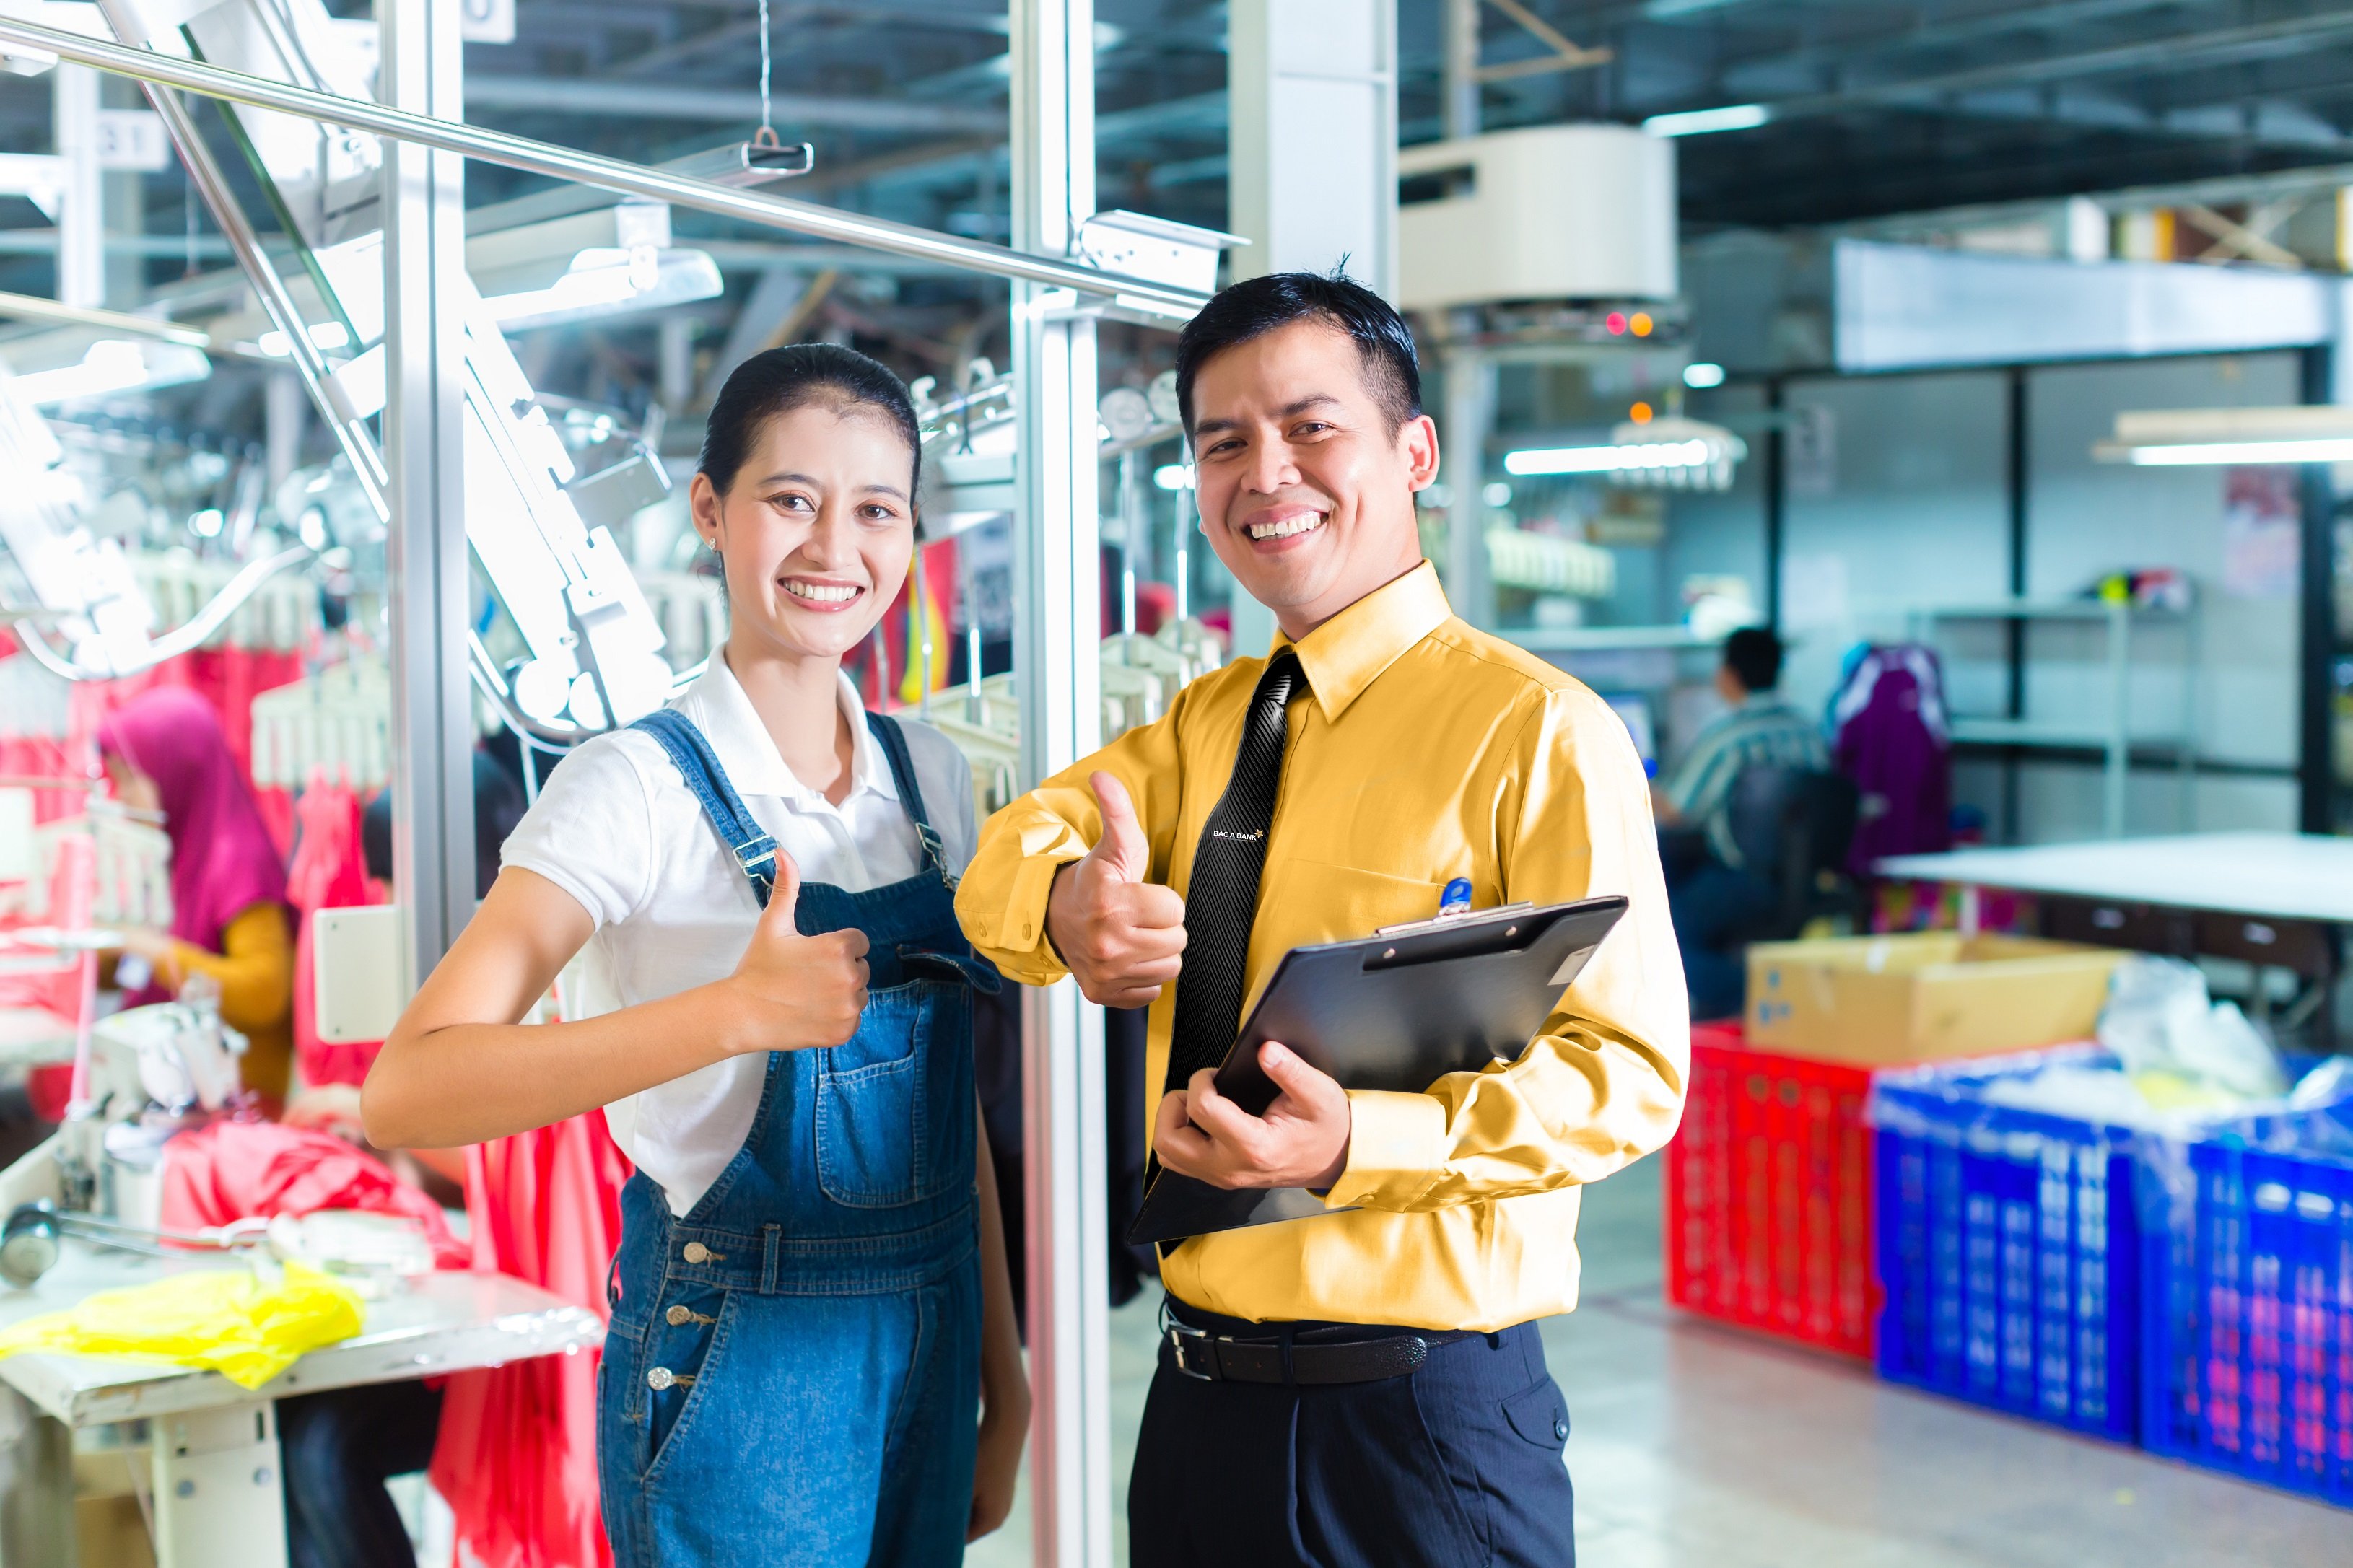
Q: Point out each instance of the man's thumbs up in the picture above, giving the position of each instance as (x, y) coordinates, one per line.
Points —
(797, 991)
(1123, 851)
(1121, 935)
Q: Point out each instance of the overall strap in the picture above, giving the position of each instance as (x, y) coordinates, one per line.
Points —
(753, 850)
(894, 742)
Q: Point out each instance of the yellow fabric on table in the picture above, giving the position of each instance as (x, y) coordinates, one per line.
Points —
(223, 1320)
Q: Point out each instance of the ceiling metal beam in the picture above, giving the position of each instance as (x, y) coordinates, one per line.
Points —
(1837, 51)
(602, 95)
(513, 152)
(2173, 52)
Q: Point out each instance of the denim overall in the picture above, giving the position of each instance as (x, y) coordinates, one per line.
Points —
(793, 1371)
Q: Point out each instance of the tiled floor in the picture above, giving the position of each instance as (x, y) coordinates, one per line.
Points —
(1702, 1447)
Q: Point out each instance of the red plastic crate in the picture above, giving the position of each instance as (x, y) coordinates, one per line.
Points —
(1768, 1196)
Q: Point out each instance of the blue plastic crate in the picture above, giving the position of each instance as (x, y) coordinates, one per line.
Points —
(2249, 1337)
(2009, 1247)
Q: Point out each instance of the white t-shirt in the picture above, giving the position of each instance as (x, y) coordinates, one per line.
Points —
(616, 828)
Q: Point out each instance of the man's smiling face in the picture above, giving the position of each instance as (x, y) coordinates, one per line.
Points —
(1306, 488)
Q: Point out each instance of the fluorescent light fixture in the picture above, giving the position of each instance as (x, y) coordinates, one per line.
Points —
(1607, 459)
(2323, 449)
(2173, 437)
(329, 336)
(606, 280)
(1707, 121)
(1172, 476)
(1700, 376)
(112, 365)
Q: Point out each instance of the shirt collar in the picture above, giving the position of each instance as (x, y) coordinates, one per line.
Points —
(720, 707)
(1347, 653)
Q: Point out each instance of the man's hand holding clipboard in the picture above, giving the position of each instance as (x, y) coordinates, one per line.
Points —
(1299, 1141)
(1257, 1139)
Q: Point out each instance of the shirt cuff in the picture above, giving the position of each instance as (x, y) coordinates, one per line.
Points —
(1397, 1151)
(1020, 941)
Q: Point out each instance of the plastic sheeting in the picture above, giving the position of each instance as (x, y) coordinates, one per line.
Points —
(517, 1458)
(225, 1320)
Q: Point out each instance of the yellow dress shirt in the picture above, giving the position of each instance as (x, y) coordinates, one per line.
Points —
(1430, 751)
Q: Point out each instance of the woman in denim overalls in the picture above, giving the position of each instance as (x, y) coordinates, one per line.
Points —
(811, 1357)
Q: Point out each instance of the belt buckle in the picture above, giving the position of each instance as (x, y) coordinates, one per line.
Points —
(1177, 1332)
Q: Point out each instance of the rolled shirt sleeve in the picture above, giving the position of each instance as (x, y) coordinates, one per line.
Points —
(1603, 1084)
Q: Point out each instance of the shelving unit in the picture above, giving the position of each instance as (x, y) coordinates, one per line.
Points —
(2114, 738)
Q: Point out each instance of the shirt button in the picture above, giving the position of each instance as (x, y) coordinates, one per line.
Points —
(679, 1317)
(1560, 1430)
(694, 1252)
(661, 1378)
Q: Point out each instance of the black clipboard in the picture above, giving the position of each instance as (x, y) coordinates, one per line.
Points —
(1396, 1010)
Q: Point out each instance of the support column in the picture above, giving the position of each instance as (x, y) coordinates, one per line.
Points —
(1462, 439)
(1459, 87)
(1312, 159)
(1058, 634)
(81, 208)
(2317, 690)
(432, 711)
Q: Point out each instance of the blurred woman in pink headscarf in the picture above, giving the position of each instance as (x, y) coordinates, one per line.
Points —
(164, 751)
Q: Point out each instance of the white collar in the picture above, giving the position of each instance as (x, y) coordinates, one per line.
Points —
(720, 708)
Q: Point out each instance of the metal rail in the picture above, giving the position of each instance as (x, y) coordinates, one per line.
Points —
(204, 174)
(32, 307)
(606, 174)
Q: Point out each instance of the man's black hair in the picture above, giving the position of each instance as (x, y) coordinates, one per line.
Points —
(1753, 654)
(1259, 305)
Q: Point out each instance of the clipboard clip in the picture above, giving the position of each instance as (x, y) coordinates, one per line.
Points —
(1445, 921)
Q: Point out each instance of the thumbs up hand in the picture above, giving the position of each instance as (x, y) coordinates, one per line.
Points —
(795, 991)
(1121, 935)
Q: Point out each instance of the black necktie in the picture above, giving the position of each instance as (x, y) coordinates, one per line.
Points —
(1222, 899)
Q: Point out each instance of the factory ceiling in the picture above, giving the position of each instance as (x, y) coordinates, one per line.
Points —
(1850, 110)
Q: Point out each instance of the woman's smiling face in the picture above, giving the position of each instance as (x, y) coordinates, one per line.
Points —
(816, 530)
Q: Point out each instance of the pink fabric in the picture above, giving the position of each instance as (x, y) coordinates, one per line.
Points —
(517, 1456)
(223, 859)
(243, 1170)
(330, 872)
(73, 884)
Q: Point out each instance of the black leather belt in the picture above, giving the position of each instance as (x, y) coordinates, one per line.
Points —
(1209, 1357)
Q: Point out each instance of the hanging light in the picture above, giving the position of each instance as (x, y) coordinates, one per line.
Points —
(1666, 452)
(2180, 436)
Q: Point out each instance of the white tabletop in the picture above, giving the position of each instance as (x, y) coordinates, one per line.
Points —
(2283, 876)
(448, 1321)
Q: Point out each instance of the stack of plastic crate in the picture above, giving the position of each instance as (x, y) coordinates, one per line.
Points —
(1768, 1189)
(2009, 1247)
(2249, 1330)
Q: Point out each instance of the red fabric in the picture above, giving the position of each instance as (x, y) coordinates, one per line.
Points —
(517, 1456)
(243, 1170)
(330, 872)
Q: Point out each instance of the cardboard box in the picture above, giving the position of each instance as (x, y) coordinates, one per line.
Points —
(1923, 996)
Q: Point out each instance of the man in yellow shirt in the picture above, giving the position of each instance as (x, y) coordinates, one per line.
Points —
(1364, 1387)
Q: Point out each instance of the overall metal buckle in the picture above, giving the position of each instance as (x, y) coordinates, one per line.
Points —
(1178, 1334)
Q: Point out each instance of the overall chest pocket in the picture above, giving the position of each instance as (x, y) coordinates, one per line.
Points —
(894, 1106)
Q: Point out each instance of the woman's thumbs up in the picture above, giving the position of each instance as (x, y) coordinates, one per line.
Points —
(797, 991)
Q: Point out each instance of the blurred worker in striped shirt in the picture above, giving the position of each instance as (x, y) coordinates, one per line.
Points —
(1712, 894)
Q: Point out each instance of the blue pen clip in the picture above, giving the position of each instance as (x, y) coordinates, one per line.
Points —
(1456, 899)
